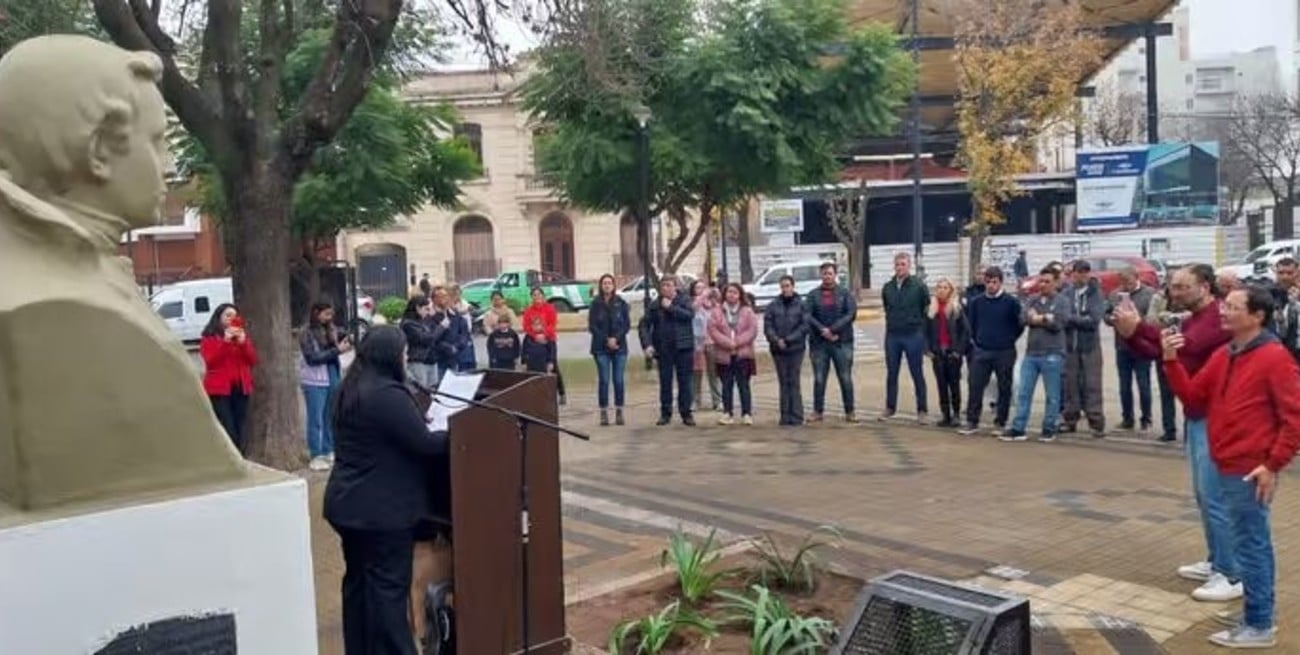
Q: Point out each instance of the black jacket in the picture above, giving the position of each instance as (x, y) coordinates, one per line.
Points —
(420, 340)
(669, 330)
(446, 342)
(606, 320)
(786, 318)
(958, 333)
(383, 477)
(537, 356)
(905, 304)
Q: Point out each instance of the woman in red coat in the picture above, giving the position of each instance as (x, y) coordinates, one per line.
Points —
(540, 309)
(228, 360)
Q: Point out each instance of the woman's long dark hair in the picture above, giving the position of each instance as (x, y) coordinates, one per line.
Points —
(380, 356)
(613, 288)
(214, 328)
(323, 335)
(413, 306)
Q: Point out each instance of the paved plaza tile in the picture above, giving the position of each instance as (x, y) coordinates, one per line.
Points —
(1090, 530)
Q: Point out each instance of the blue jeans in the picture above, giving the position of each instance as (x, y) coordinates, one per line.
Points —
(320, 435)
(913, 346)
(610, 368)
(1132, 368)
(1215, 521)
(1253, 546)
(1048, 367)
(823, 355)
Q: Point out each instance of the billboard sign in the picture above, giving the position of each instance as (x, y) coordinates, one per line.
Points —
(781, 216)
(1165, 184)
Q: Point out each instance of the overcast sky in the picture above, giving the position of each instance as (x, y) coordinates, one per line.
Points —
(1218, 27)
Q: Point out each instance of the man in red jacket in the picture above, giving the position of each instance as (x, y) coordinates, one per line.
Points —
(1250, 393)
(1191, 291)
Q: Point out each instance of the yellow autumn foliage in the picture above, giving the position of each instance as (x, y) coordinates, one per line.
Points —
(1018, 64)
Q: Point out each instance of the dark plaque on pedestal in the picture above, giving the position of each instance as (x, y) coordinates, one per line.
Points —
(213, 634)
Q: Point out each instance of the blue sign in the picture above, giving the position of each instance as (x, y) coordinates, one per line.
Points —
(1147, 186)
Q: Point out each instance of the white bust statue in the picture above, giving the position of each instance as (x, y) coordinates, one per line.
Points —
(98, 400)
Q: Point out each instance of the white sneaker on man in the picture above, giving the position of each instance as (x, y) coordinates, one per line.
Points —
(319, 464)
(1217, 590)
(1200, 571)
(725, 419)
(1245, 637)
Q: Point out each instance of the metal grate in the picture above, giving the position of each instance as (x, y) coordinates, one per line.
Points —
(887, 627)
(945, 590)
(1008, 637)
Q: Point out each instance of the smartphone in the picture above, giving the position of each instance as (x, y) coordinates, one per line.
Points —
(237, 322)
(1123, 297)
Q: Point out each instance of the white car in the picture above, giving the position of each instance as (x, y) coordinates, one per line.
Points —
(634, 292)
(807, 276)
(1259, 262)
(187, 306)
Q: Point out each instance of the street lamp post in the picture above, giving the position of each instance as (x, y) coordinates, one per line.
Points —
(914, 123)
(642, 115)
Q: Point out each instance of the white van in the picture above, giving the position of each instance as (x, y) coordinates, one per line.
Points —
(187, 306)
(1259, 262)
(807, 276)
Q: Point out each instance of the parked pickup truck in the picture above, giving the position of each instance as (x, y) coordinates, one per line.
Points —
(565, 295)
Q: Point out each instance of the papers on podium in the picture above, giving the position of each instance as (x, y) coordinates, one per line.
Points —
(443, 407)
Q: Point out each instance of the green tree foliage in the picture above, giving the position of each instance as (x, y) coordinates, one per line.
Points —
(390, 159)
(24, 19)
(744, 97)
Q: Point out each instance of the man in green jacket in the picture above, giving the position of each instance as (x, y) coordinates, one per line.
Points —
(906, 300)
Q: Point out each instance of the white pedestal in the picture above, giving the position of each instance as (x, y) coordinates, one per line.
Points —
(70, 586)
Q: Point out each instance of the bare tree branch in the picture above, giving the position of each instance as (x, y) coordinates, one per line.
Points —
(276, 38)
(200, 117)
(362, 31)
(221, 45)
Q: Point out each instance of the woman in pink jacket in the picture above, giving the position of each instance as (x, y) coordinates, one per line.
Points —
(733, 327)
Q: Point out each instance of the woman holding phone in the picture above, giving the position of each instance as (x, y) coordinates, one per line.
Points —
(228, 360)
(319, 371)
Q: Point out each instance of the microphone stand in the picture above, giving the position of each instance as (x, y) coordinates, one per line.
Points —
(522, 421)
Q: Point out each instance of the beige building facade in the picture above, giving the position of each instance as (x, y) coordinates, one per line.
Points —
(509, 218)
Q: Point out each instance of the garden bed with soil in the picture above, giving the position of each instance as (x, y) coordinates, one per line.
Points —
(591, 620)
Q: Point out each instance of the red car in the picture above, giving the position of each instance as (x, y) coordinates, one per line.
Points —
(1106, 268)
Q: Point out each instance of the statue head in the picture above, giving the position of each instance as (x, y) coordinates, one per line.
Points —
(83, 121)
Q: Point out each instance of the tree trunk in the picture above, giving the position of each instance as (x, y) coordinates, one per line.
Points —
(260, 212)
(742, 242)
(978, 232)
(1283, 220)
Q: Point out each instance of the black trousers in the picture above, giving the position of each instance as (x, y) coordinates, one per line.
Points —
(232, 413)
(679, 364)
(377, 591)
(788, 381)
(983, 364)
(947, 375)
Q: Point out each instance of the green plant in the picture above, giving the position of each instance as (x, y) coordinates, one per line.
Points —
(775, 629)
(655, 630)
(799, 569)
(391, 308)
(694, 564)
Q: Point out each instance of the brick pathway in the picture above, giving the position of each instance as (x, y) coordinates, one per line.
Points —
(1091, 530)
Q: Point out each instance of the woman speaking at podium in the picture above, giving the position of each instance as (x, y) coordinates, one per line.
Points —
(378, 493)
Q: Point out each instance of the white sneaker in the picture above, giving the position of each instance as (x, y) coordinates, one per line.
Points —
(319, 464)
(747, 419)
(1199, 571)
(1217, 590)
(1245, 637)
(726, 419)
(330, 458)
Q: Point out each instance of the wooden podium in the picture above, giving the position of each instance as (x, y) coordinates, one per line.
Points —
(486, 520)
